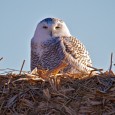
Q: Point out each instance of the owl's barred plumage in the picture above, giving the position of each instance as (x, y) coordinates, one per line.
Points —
(53, 43)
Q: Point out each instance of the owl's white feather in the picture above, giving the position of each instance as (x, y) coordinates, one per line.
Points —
(52, 42)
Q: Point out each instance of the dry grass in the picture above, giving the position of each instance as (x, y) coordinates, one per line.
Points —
(57, 94)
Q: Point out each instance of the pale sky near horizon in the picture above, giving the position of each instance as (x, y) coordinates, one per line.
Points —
(91, 21)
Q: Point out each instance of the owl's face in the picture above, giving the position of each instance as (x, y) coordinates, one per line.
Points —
(50, 28)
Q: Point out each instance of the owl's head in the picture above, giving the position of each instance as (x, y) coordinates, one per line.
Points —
(49, 28)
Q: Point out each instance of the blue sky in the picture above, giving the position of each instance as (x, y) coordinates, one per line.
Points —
(91, 21)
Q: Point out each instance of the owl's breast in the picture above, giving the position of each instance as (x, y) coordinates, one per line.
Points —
(53, 53)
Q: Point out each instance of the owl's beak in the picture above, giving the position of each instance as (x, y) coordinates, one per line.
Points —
(51, 33)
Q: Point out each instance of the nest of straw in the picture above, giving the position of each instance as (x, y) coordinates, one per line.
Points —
(62, 94)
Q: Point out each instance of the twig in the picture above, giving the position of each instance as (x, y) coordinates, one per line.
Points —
(1, 58)
(9, 69)
(27, 79)
(22, 67)
(95, 69)
(111, 62)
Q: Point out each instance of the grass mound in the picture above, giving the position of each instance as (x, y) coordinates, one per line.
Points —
(62, 94)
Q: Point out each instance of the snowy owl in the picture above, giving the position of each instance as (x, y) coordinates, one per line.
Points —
(52, 42)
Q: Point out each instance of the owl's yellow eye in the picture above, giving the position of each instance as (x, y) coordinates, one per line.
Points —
(57, 27)
(45, 27)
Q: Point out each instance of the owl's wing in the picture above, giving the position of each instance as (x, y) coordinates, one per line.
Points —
(77, 54)
(35, 60)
